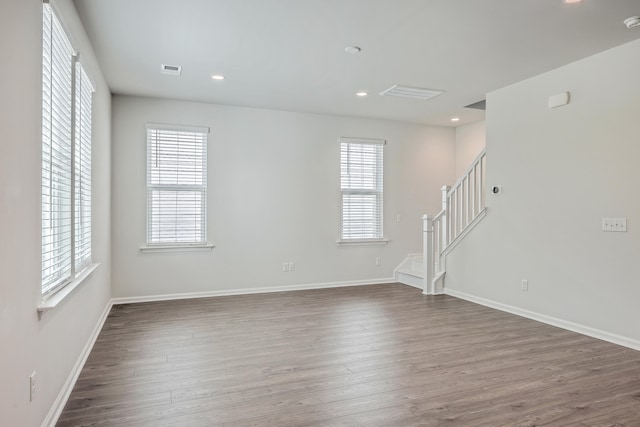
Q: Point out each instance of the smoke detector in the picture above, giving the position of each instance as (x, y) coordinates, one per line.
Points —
(632, 22)
(352, 50)
(171, 69)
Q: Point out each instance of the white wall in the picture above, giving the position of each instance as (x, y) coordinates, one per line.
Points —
(273, 197)
(562, 171)
(470, 141)
(52, 345)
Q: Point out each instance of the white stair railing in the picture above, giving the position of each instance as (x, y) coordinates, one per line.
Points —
(462, 206)
(466, 199)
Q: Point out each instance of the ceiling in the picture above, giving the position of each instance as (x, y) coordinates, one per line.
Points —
(289, 54)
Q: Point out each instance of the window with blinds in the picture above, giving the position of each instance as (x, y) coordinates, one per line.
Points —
(361, 179)
(82, 168)
(66, 158)
(176, 185)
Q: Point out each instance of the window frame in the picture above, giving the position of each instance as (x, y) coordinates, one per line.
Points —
(350, 237)
(152, 244)
(67, 100)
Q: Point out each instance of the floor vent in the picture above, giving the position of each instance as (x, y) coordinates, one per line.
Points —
(411, 92)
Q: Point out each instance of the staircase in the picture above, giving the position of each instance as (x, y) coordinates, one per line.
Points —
(411, 271)
(463, 206)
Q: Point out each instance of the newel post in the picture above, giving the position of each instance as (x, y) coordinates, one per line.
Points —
(427, 251)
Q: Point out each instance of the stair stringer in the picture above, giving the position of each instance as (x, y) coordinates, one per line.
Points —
(438, 284)
(410, 271)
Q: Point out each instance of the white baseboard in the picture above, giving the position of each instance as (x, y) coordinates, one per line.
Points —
(247, 291)
(553, 321)
(61, 400)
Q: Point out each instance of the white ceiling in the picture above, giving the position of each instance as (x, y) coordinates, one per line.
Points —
(289, 54)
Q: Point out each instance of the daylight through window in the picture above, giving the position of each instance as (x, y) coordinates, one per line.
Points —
(361, 179)
(66, 158)
(176, 185)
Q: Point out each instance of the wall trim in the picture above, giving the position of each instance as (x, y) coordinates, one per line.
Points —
(61, 400)
(549, 320)
(248, 291)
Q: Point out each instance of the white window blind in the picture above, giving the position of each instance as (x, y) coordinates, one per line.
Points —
(66, 158)
(176, 185)
(56, 153)
(361, 179)
(82, 165)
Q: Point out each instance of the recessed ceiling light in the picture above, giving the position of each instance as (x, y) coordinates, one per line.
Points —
(361, 94)
(217, 77)
(571, 1)
(455, 119)
(352, 49)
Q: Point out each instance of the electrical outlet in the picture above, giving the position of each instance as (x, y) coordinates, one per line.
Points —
(378, 261)
(32, 386)
(285, 267)
(614, 224)
(524, 285)
(292, 266)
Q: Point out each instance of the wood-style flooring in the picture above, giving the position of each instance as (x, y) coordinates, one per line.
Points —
(381, 355)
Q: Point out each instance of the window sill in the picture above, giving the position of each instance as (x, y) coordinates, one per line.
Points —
(361, 242)
(175, 248)
(52, 301)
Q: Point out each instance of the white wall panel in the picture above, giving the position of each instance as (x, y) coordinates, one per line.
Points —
(274, 196)
(50, 346)
(562, 170)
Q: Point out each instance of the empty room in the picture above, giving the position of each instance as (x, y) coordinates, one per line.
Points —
(319, 213)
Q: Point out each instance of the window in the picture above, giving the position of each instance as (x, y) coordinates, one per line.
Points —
(66, 159)
(176, 185)
(361, 177)
(82, 169)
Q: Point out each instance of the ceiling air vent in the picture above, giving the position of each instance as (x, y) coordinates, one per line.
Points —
(411, 92)
(174, 70)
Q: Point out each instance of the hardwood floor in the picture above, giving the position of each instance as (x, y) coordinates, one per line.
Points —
(382, 355)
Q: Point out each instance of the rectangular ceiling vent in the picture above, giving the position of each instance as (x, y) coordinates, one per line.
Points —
(411, 92)
(174, 70)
